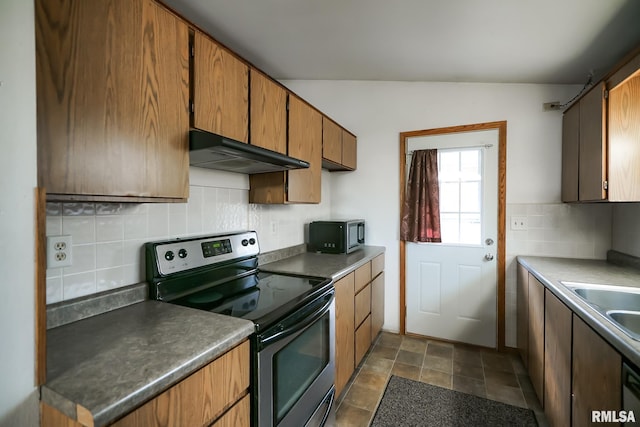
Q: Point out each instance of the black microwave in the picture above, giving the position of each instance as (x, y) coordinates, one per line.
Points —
(336, 237)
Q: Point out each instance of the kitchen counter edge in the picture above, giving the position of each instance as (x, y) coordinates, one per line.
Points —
(550, 271)
(65, 393)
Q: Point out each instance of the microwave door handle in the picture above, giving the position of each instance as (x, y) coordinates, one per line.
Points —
(361, 234)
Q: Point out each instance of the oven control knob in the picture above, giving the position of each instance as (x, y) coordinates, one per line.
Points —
(169, 255)
(245, 242)
(182, 253)
(252, 241)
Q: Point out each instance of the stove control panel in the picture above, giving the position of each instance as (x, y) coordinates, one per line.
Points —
(179, 255)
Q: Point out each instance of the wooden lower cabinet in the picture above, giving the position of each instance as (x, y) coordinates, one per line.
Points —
(523, 314)
(345, 329)
(195, 401)
(536, 336)
(597, 374)
(557, 361)
(359, 316)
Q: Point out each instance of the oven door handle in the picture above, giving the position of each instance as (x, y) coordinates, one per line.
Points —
(285, 330)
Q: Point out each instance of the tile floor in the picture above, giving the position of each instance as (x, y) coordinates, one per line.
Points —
(482, 372)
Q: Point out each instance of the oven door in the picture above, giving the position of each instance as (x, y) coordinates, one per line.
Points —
(296, 365)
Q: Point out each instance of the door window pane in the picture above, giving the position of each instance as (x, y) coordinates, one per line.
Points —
(460, 180)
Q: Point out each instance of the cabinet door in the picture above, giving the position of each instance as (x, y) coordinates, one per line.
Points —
(112, 90)
(331, 141)
(557, 361)
(363, 276)
(570, 153)
(305, 143)
(345, 330)
(238, 416)
(362, 305)
(220, 90)
(536, 336)
(624, 140)
(377, 305)
(597, 372)
(349, 150)
(523, 313)
(268, 113)
(362, 340)
(593, 154)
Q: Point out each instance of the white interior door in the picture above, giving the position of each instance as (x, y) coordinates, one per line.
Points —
(451, 287)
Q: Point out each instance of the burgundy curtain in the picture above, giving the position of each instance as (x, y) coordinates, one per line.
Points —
(421, 209)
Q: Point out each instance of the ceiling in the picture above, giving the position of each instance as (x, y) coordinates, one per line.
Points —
(497, 41)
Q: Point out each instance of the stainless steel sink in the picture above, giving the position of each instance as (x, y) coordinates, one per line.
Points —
(620, 304)
(628, 321)
(607, 297)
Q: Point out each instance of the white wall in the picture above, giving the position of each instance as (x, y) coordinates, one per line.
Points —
(378, 111)
(18, 395)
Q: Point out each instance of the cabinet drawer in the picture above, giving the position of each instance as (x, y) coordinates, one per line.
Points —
(377, 265)
(363, 339)
(363, 276)
(199, 399)
(238, 416)
(362, 305)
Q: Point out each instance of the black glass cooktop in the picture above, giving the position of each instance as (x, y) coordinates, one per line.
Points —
(263, 298)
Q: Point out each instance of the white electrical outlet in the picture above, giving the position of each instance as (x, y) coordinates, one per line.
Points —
(59, 252)
(518, 222)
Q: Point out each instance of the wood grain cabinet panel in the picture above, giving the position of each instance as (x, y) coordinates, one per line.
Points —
(523, 313)
(238, 416)
(596, 377)
(305, 143)
(557, 361)
(112, 100)
(362, 305)
(593, 145)
(570, 153)
(220, 90)
(362, 340)
(349, 150)
(363, 276)
(345, 330)
(536, 336)
(377, 305)
(331, 141)
(268, 113)
(624, 140)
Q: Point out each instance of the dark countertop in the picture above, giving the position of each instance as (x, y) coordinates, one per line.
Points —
(550, 271)
(111, 363)
(324, 265)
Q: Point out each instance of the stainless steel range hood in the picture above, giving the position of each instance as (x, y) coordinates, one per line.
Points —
(208, 150)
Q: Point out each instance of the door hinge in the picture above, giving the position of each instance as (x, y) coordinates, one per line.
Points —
(606, 94)
(192, 107)
(605, 185)
(192, 50)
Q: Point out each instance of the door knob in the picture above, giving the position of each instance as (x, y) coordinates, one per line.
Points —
(488, 257)
(489, 241)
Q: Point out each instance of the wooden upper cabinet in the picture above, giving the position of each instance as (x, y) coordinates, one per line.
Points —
(268, 113)
(570, 153)
(112, 100)
(349, 150)
(593, 146)
(305, 143)
(338, 147)
(624, 140)
(331, 141)
(220, 90)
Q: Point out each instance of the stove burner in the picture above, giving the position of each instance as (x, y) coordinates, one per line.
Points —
(205, 297)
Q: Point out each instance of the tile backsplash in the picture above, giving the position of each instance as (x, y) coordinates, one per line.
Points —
(555, 230)
(108, 237)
